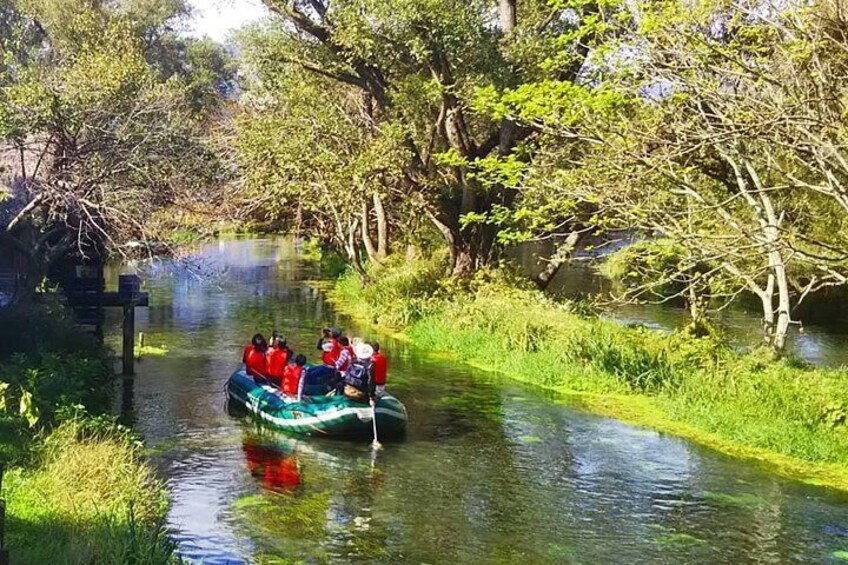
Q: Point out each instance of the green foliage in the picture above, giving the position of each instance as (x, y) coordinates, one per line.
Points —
(90, 498)
(400, 293)
(413, 101)
(106, 137)
(46, 366)
(753, 399)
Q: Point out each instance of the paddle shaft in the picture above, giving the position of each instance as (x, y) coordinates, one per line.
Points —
(376, 442)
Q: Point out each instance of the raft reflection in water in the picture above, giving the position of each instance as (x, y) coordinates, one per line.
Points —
(277, 468)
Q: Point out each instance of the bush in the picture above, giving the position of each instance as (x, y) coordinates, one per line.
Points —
(59, 379)
(45, 325)
(399, 293)
(46, 365)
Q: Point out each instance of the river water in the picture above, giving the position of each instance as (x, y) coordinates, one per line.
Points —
(490, 471)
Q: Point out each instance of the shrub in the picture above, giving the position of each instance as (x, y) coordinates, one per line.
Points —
(46, 365)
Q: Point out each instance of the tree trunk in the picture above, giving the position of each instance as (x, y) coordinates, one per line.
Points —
(697, 303)
(781, 327)
(382, 228)
(465, 264)
(447, 233)
(366, 236)
(559, 258)
(767, 298)
(353, 251)
(508, 15)
(777, 265)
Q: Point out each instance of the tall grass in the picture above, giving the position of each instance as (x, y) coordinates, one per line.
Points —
(496, 321)
(90, 498)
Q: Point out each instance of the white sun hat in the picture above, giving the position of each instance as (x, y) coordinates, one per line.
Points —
(363, 351)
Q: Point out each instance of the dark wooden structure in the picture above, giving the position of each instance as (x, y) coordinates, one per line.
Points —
(129, 296)
(84, 286)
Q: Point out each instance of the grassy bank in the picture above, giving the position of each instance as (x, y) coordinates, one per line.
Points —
(76, 486)
(87, 497)
(785, 413)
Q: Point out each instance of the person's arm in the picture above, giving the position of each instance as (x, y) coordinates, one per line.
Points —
(343, 357)
(320, 343)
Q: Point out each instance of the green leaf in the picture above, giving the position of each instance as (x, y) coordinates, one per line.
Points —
(3, 388)
(28, 409)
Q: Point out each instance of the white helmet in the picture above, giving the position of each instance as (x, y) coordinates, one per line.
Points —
(363, 351)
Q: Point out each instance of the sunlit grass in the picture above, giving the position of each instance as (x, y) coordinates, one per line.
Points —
(697, 387)
(90, 498)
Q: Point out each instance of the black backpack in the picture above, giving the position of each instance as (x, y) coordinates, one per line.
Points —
(357, 374)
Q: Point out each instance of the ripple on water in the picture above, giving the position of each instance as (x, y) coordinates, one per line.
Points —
(491, 472)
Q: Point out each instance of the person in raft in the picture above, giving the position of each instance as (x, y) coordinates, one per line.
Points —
(256, 361)
(359, 379)
(278, 357)
(253, 342)
(330, 346)
(293, 378)
(345, 357)
(381, 369)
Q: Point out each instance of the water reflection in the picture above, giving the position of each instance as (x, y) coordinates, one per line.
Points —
(822, 339)
(276, 468)
(490, 472)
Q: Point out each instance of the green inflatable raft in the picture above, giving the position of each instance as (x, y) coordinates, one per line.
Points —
(333, 415)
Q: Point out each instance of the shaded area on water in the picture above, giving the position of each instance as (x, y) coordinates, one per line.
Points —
(822, 339)
(490, 471)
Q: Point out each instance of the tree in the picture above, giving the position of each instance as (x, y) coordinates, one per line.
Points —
(418, 66)
(100, 142)
(704, 129)
(313, 159)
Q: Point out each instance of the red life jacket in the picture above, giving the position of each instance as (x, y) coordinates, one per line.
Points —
(247, 351)
(381, 367)
(278, 358)
(330, 357)
(257, 364)
(291, 379)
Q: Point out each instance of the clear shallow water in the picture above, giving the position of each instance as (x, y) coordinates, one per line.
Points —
(490, 471)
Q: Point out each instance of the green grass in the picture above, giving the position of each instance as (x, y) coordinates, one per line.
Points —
(77, 487)
(781, 411)
(89, 498)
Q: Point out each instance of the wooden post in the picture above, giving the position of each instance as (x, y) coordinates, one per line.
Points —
(129, 339)
(127, 417)
(129, 292)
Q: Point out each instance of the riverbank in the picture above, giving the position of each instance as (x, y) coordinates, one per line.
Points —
(87, 497)
(76, 485)
(783, 413)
